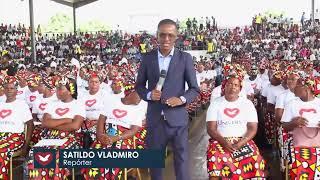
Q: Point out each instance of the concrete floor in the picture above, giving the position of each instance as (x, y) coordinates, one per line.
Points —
(198, 140)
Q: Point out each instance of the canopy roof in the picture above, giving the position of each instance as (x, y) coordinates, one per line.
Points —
(74, 3)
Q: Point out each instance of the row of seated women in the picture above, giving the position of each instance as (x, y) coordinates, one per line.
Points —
(62, 113)
(232, 124)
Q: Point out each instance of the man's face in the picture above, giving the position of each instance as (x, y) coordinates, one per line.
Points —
(166, 36)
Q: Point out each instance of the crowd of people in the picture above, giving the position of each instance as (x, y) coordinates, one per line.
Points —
(262, 78)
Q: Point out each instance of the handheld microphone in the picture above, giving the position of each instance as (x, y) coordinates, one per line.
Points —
(163, 75)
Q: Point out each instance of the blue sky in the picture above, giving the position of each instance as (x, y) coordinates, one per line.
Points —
(145, 14)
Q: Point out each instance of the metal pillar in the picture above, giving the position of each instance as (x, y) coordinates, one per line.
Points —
(312, 13)
(74, 20)
(33, 49)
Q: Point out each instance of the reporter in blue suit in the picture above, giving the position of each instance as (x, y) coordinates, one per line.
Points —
(167, 118)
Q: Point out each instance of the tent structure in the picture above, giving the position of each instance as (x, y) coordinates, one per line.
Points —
(71, 3)
(74, 4)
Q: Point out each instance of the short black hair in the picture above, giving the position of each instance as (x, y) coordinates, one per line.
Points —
(167, 21)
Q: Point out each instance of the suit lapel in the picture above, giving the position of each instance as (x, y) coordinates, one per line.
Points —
(173, 62)
(155, 64)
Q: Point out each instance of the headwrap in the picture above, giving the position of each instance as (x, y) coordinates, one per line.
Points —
(312, 83)
(69, 84)
(11, 79)
(50, 82)
(232, 71)
(33, 80)
(92, 74)
(291, 70)
(278, 74)
(129, 86)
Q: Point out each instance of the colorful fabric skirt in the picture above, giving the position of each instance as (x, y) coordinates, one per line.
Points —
(284, 139)
(91, 127)
(9, 144)
(271, 127)
(139, 138)
(36, 135)
(305, 163)
(245, 163)
(109, 173)
(73, 141)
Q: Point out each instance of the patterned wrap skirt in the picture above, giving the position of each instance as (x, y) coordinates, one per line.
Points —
(36, 135)
(73, 141)
(284, 139)
(271, 127)
(304, 162)
(246, 163)
(91, 127)
(9, 144)
(111, 173)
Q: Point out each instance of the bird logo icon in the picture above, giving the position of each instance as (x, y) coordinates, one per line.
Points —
(44, 158)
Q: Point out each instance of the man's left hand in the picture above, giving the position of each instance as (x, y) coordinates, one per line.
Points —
(174, 101)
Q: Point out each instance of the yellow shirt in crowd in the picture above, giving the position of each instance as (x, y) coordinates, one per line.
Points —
(210, 47)
(143, 48)
(258, 19)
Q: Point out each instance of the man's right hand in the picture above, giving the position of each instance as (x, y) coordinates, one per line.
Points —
(155, 95)
(299, 122)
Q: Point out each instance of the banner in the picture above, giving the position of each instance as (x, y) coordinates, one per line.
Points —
(99, 158)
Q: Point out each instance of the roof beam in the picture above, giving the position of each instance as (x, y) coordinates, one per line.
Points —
(66, 3)
(83, 3)
(74, 3)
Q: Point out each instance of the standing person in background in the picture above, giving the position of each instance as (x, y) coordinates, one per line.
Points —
(167, 118)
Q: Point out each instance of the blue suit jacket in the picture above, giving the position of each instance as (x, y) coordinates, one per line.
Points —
(181, 70)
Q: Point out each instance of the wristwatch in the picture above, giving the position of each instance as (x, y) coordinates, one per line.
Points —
(183, 99)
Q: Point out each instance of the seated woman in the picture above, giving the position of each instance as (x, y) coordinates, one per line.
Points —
(14, 114)
(94, 103)
(61, 120)
(116, 127)
(232, 124)
(301, 118)
(46, 88)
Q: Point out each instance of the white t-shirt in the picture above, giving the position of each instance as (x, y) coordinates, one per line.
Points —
(247, 88)
(201, 77)
(3, 98)
(21, 93)
(309, 110)
(94, 104)
(255, 84)
(59, 109)
(210, 74)
(273, 92)
(284, 98)
(232, 117)
(31, 97)
(123, 115)
(13, 116)
(41, 105)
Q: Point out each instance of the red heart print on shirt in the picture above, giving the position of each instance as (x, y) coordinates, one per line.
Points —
(307, 110)
(62, 111)
(5, 113)
(231, 112)
(119, 113)
(19, 92)
(42, 106)
(43, 158)
(32, 98)
(90, 103)
(254, 85)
